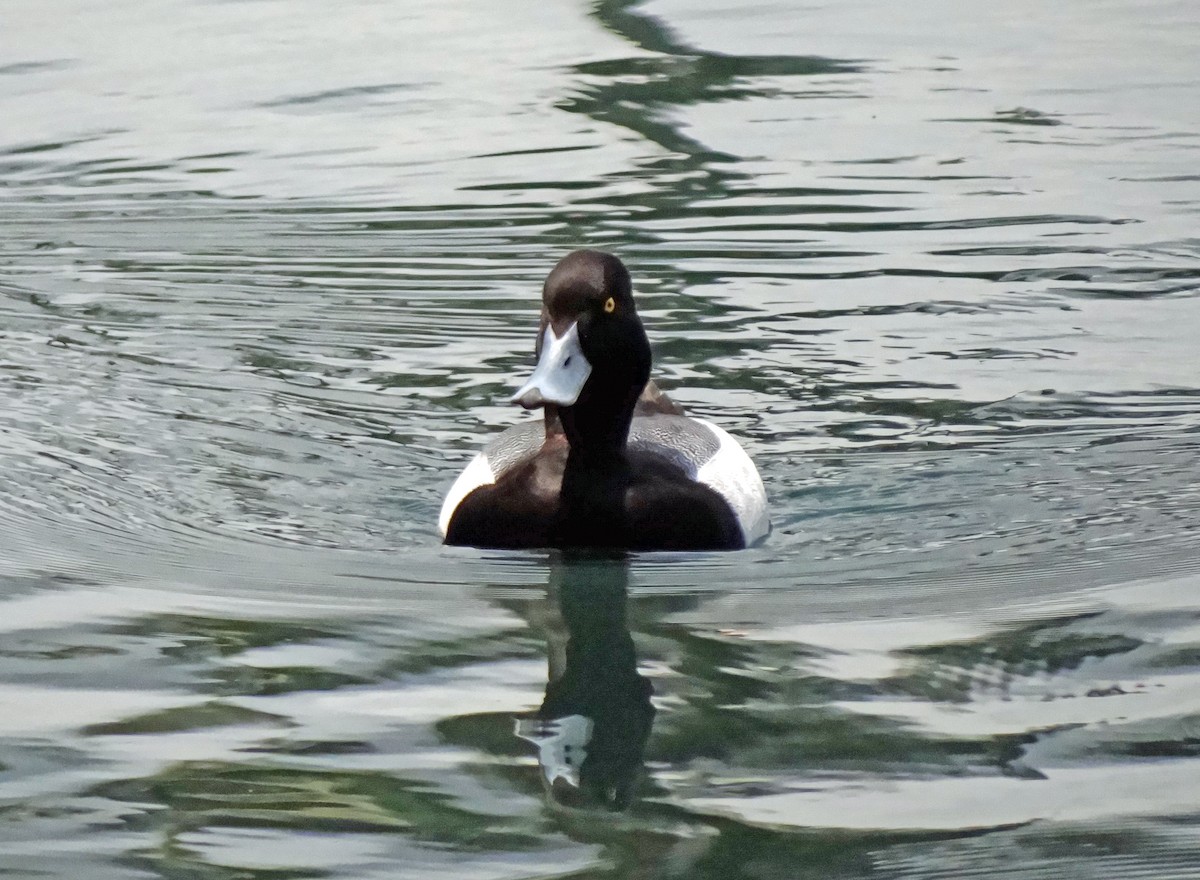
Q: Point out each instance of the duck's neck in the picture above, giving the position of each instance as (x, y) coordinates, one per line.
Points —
(597, 428)
(591, 509)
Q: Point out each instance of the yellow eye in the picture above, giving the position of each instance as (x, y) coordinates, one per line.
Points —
(610, 306)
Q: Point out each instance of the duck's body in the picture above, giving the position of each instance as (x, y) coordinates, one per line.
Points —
(685, 485)
(615, 463)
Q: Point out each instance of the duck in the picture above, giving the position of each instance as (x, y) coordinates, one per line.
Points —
(615, 463)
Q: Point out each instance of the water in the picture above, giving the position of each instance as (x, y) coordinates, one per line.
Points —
(267, 272)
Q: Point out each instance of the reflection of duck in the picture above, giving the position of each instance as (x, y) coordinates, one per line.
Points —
(615, 463)
(592, 727)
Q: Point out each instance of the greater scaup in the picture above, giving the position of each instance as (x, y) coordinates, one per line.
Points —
(614, 463)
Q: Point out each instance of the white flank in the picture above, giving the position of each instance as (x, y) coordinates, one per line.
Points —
(732, 475)
(477, 473)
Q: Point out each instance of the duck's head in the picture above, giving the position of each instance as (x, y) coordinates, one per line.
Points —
(593, 355)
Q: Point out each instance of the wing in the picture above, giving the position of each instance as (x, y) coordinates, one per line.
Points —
(712, 457)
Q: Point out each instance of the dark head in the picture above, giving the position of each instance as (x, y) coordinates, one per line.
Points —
(593, 355)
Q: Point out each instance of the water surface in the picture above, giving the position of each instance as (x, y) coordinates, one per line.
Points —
(267, 274)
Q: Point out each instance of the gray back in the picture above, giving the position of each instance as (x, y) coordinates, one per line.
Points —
(686, 443)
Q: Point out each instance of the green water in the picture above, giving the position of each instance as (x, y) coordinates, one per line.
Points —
(268, 273)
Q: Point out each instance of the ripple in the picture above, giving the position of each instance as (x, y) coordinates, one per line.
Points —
(256, 313)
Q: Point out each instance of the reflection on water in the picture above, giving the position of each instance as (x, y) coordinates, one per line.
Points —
(263, 272)
(191, 734)
(592, 727)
